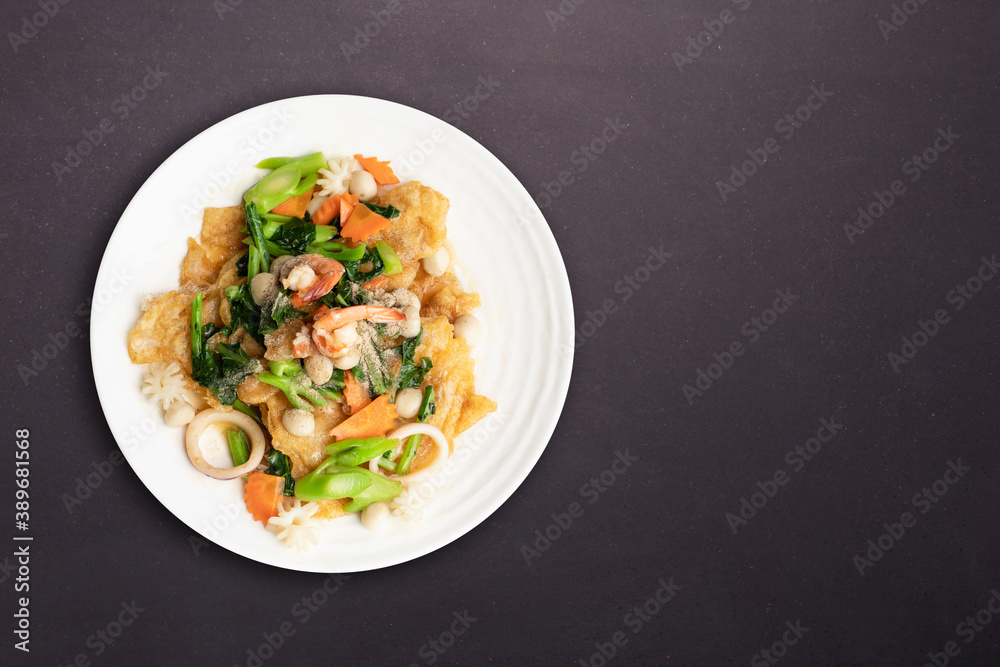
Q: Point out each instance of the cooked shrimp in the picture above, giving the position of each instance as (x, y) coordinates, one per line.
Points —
(332, 332)
(302, 343)
(312, 277)
(336, 342)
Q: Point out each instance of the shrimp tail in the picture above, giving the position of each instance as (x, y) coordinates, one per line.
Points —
(385, 315)
(320, 288)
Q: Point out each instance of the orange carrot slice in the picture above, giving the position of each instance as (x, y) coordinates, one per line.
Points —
(377, 418)
(295, 207)
(347, 204)
(362, 224)
(355, 393)
(263, 495)
(326, 213)
(380, 171)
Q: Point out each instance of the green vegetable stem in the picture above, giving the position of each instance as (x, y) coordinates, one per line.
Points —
(427, 404)
(288, 376)
(356, 451)
(291, 177)
(221, 371)
(238, 446)
(331, 481)
(389, 258)
(260, 259)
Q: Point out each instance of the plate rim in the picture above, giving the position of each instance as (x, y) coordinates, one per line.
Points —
(559, 276)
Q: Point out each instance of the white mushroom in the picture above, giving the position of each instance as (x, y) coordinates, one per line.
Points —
(263, 287)
(469, 328)
(411, 327)
(363, 185)
(437, 263)
(319, 368)
(298, 422)
(348, 359)
(375, 515)
(178, 414)
(279, 262)
(408, 402)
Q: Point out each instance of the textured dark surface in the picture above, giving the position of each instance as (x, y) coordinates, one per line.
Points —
(655, 185)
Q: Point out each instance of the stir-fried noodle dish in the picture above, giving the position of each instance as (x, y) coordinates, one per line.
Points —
(318, 349)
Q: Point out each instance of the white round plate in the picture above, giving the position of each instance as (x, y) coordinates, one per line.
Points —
(502, 242)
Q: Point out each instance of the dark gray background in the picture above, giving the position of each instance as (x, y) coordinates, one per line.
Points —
(665, 516)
